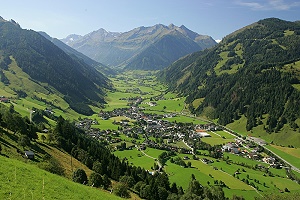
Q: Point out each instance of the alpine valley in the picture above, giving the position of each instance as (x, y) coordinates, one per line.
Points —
(157, 112)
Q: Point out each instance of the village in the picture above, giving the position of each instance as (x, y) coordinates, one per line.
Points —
(156, 131)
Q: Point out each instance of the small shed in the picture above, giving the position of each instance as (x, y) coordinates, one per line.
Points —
(29, 154)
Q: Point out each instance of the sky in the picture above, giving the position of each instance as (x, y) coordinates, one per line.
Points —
(216, 18)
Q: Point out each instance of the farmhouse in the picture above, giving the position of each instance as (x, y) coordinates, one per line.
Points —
(231, 147)
(152, 104)
(269, 160)
(4, 100)
(29, 154)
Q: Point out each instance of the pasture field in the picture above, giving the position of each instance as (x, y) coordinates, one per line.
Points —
(225, 134)
(105, 124)
(129, 139)
(113, 100)
(137, 158)
(220, 175)
(153, 152)
(170, 105)
(239, 126)
(265, 183)
(216, 141)
(178, 144)
(295, 152)
(182, 176)
(216, 138)
(240, 159)
(185, 119)
(16, 182)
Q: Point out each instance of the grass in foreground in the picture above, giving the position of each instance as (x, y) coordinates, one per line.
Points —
(17, 182)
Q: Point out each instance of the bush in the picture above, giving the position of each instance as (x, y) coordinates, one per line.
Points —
(96, 180)
(24, 141)
(52, 165)
(79, 176)
(127, 180)
(121, 190)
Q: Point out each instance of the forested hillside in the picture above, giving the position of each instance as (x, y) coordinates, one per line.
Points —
(45, 63)
(254, 72)
(77, 55)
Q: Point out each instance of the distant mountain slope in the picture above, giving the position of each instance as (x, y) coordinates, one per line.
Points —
(72, 52)
(254, 71)
(148, 48)
(46, 63)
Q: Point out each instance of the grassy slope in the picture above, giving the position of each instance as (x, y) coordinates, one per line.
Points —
(285, 137)
(65, 160)
(17, 182)
(10, 146)
(137, 158)
(19, 80)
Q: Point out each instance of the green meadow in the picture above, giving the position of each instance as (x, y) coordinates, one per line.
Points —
(136, 158)
(17, 182)
(216, 138)
(185, 119)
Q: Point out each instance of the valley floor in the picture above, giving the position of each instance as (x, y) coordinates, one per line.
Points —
(141, 121)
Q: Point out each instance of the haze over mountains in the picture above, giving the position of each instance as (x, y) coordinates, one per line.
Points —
(147, 48)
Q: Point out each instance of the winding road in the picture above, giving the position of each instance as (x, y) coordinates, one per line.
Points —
(158, 163)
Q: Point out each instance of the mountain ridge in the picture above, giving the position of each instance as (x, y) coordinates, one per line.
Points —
(121, 50)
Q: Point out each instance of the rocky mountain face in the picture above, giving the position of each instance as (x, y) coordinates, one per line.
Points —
(148, 48)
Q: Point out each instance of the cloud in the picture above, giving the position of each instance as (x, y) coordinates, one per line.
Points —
(269, 4)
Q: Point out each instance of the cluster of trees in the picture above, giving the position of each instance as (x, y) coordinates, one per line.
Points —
(260, 87)
(52, 165)
(165, 156)
(3, 78)
(4, 62)
(179, 161)
(13, 121)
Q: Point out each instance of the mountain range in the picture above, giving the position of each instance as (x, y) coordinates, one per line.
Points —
(252, 73)
(146, 48)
